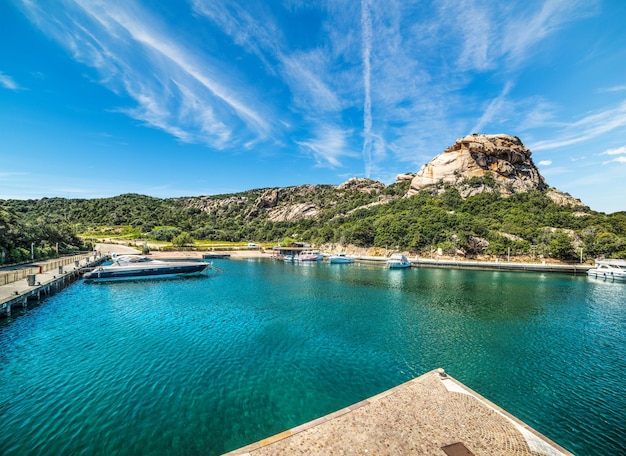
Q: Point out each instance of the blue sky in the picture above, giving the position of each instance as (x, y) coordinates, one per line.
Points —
(192, 97)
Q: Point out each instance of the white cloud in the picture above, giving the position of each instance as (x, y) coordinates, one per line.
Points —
(545, 163)
(615, 160)
(617, 151)
(496, 108)
(328, 146)
(587, 128)
(525, 30)
(176, 87)
(7, 82)
(620, 88)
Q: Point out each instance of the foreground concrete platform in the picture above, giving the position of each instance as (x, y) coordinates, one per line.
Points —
(433, 414)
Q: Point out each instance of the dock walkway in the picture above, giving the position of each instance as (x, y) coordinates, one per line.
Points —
(23, 283)
(486, 265)
(433, 414)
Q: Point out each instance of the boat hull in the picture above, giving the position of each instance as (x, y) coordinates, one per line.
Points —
(398, 265)
(606, 275)
(341, 260)
(609, 270)
(398, 261)
(170, 272)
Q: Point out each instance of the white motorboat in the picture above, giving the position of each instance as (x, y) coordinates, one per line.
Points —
(340, 258)
(310, 255)
(135, 267)
(613, 270)
(397, 261)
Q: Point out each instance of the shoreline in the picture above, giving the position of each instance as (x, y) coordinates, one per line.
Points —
(447, 263)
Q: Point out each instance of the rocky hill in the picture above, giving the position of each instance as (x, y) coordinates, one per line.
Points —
(473, 165)
(482, 195)
(486, 163)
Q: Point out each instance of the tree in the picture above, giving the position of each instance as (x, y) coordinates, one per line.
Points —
(560, 247)
(182, 240)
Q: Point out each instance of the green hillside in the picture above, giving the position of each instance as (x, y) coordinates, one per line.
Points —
(366, 216)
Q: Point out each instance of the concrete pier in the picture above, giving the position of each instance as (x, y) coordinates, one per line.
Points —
(27, 283)
(487, 265)
(433, 414)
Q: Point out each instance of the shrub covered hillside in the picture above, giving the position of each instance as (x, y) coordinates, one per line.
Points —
(23, 238)
(360, 212)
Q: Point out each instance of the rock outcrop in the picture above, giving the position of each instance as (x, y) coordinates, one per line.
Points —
(362, 184)
(405, 177)
(564, 199)
(502, 161)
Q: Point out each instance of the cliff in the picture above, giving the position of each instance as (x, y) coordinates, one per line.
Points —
(478, 163)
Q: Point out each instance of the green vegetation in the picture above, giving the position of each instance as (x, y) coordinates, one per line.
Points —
(435, 218)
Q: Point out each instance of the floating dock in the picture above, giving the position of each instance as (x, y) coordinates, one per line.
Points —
(433, 414)
(215, 256)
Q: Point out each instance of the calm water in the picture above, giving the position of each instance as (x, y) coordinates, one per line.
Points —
(206, 365)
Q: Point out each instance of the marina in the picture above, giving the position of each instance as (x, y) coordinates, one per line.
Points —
(268, 350)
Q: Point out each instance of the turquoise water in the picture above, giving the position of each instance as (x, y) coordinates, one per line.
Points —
(207, 365)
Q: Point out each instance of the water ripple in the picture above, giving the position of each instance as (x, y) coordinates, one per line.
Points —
(205, 366)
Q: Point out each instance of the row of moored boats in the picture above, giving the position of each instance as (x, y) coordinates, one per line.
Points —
(396, 260)
(133, 267)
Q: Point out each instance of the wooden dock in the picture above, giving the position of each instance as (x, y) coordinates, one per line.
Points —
(34, 282)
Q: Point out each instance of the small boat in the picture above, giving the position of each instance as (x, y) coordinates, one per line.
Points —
(397, 261)
(613, 270)
(134, 267)
(310, 255)
(340, 258)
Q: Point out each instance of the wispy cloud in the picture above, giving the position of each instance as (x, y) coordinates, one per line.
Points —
(619, 88)
(8, 82)
(366, 38)
(328, 145)
(311, 76)
(302, 73)
(616, 151)
(619, 151)
(523, 32)
(176, 88)
(587, 128)
(495, 108)
(399, 79)
(545, 163)
(620, 159)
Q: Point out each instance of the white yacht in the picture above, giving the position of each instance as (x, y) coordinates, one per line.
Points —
(614, 270)
(340, 258)
(135, 267)
(397, 260)
(309, 255)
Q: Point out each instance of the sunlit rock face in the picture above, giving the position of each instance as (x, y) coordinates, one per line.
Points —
(503, 159)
